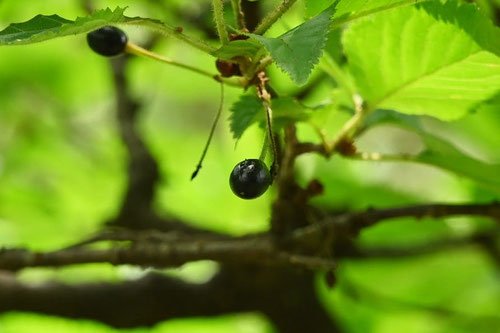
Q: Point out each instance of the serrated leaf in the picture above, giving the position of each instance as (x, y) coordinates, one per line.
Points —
(433, 59)
(238, 48)
(244, 113)
(298, 50)
(439, 152)
(42, 27)
(249, 110)
(347, 10)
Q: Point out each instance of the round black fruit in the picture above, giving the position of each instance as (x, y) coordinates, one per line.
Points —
(107, 41)
(250, 179)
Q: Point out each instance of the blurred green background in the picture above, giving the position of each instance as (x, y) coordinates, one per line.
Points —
(63, 172)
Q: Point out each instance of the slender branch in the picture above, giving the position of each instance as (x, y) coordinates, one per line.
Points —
(171, 31)
(139, 51)
(220, 23)
(238, 14)
(273, 16)
(480, 238)
(352, 124)
(378, 157)
(351, 223)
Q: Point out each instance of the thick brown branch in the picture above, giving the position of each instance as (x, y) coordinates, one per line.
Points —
(287, 297)
(143, 302)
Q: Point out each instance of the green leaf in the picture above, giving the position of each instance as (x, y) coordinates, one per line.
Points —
(238, 48)
(434, 59)
(439, 152)
(249, 110)
(298, 50)
(348, 10)
(41, 27)
(244, 113)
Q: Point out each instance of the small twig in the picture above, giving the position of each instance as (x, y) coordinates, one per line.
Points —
(273, 16)
(378, 157)
(172, 31)
(139, 51)
(481, 238)
(353, 222)
(351, 125)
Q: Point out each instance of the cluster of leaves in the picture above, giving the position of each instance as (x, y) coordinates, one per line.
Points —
(419, 58)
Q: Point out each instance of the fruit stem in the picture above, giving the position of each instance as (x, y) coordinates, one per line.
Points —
(269, 122)
(265, 147)
(212, 131)
(273, 16)
(131, 48)
(351, 125)
(170, 31)
(220, 23)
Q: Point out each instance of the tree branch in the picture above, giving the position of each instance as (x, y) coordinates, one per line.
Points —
(287, 297)
(144, 302)
(480, 239)
(259, 250)
(349, 224)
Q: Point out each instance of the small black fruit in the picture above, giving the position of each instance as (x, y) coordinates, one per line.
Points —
(250, 179)
(107, 41)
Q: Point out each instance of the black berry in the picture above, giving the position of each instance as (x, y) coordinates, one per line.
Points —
(250, 179)
(107, 41)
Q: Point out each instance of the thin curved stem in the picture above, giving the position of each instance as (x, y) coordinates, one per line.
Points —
(171, 31)
(265, 147)
(269, 122)
(351, 125)
(239, 16)
(139, 51)
(212, 131)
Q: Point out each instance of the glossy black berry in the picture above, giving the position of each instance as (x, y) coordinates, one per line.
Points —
(250, 179)
(107, 41)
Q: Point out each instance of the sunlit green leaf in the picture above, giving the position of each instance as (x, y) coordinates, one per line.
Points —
(238, 48)
(43, 27)
(434, 59)
(347, 10)
(249, 110)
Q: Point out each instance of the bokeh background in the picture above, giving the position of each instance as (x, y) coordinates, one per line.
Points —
(63, 172)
